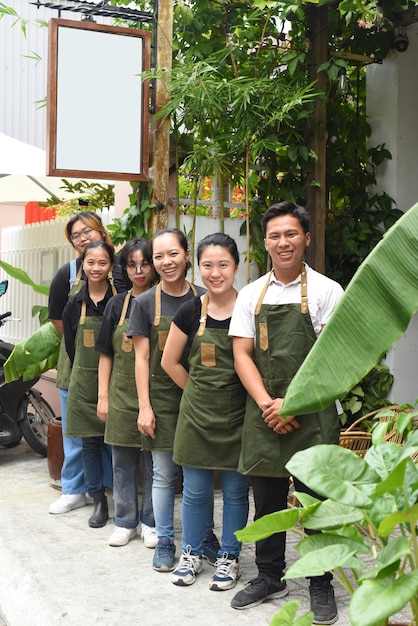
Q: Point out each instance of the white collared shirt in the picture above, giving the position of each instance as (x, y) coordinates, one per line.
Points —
(323, 295)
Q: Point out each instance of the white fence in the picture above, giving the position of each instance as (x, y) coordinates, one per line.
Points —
(39, 249)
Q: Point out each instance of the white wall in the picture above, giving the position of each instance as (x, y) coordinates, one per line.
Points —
(392, 93)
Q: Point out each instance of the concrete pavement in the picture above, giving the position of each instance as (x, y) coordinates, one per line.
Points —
(55, 570)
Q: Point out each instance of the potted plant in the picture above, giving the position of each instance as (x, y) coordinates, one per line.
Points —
(368, 522)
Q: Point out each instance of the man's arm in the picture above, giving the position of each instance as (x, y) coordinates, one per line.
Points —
(251, 379)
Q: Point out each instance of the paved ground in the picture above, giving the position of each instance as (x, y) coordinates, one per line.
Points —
(55, 570)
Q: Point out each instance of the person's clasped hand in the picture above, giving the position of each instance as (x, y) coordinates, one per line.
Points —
(271, 415)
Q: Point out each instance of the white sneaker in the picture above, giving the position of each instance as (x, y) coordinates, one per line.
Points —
(67, 502)
(149, 536)
(121, 536)
(226, 575)
(187, 569)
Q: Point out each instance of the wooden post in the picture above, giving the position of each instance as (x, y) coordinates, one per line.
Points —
(160, 148)
(316, 201)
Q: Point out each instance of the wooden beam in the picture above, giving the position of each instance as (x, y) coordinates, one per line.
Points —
(161, 130)
(316, 201)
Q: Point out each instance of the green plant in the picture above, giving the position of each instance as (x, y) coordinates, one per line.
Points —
(368, 521)
(368, 395)
(373, 313)
(39, 353)
(135, 219)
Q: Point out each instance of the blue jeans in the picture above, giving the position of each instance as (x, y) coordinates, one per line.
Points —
(97, 458)
(196, 505)
(165, 473)
(125, 462)
(72, 473)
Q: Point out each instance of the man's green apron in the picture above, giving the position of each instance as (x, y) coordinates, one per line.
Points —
(208, 433)
(82, 420)
(64, 365)
(122, 419)
(284, 336)
(165, 395)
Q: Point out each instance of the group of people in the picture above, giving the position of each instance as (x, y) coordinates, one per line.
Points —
(156, 370)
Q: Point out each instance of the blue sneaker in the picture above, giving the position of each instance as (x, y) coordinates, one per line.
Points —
(211, 549)
(163, 560)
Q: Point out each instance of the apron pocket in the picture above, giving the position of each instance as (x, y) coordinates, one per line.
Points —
(208, 354)
(162, 338)
(88, 337)
(127, 343)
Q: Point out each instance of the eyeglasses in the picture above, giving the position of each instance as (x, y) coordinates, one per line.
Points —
(145, 268)
(86, 233)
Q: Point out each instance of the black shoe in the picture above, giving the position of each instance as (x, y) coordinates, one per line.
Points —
(257, 591)
(211, 549)
(101, 511)
(323, 604)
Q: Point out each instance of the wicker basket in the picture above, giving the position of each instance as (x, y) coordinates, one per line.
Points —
(358, 440)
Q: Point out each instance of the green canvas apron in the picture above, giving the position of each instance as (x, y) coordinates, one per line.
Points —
(165, 395)
(284, 336)
(121, 426)
(82, 420)
(208, 433)
(64, 365)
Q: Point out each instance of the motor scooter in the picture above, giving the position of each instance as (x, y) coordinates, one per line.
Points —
(23, 409)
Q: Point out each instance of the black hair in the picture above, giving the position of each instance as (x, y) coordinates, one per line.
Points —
(181, 238)
(218, 239)
(139, 243)
(98, 244)
(287, 208)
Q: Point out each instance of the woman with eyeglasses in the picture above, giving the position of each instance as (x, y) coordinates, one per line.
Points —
(117, 404)
(83, 228)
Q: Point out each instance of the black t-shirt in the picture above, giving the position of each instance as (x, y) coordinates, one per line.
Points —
(110, 320)
(72, 311)
(187, 318)
(60, 286)
(143, 309)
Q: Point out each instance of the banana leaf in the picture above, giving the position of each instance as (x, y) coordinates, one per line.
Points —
(33, 356)
(24, 278)
(373, 313)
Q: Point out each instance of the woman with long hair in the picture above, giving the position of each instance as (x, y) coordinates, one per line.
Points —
(117, 404)
(211, 414)
(81, 229)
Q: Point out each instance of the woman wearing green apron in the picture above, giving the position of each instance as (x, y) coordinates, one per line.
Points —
(117, 404)
(80, 230)
(208, 433)
(81, 318)
(159, 397)
(275, 323)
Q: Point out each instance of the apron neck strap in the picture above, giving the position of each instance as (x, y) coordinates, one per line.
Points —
(78, 277)
(125, 308)
(203, 314)
(158, 290)
(110, 279)
(83, 313)
(303, 292)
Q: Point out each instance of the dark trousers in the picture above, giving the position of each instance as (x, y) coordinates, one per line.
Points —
(270, 495)
(95, 462)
